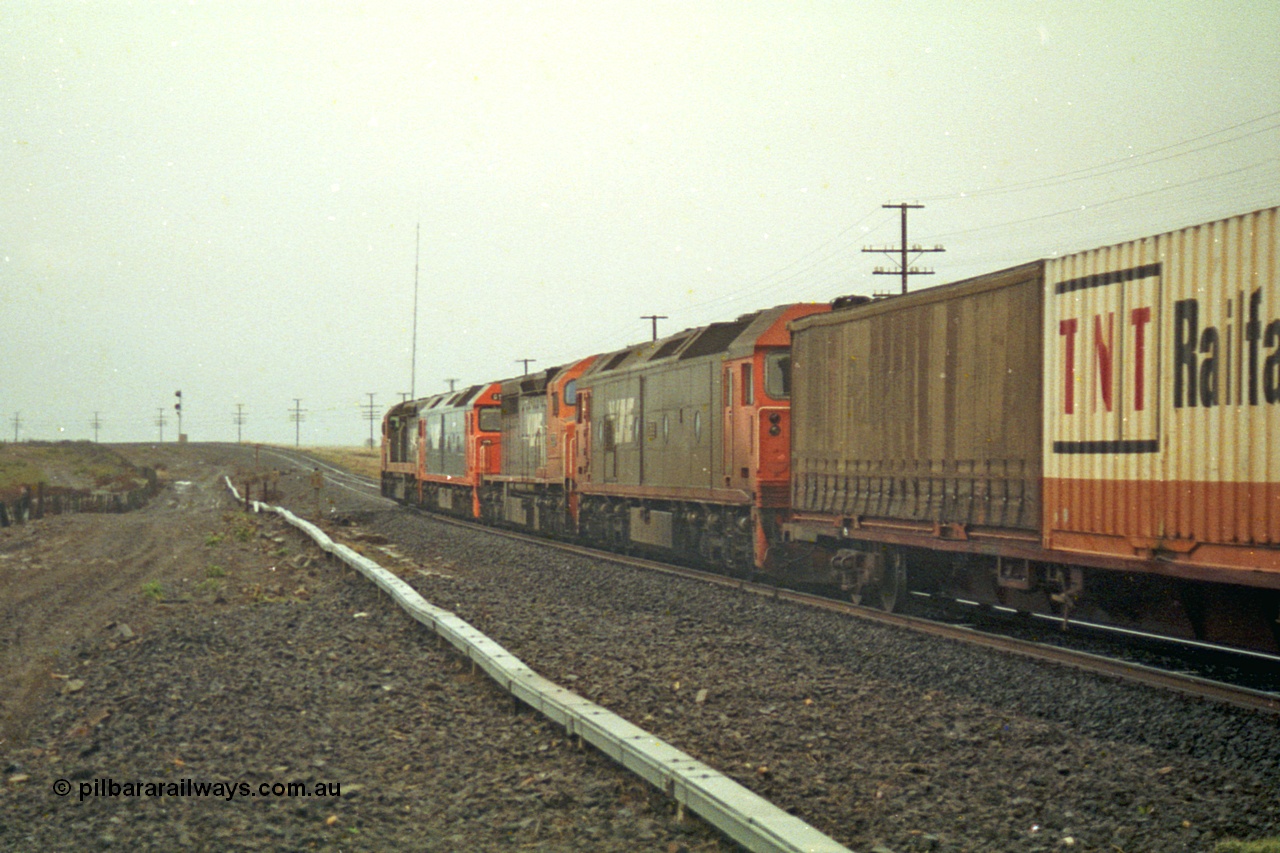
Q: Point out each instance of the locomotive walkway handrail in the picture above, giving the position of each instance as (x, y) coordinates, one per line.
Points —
(742, 815)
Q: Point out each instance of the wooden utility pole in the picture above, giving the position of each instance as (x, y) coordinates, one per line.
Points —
(95, 423)
(525, 362)
(239, 421)
(654, 318)
(904, 266)
(296, 416)
(370, 412)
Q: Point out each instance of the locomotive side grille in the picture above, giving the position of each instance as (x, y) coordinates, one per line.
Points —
(775, 494)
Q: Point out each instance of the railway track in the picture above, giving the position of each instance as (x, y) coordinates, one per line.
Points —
(1182, 682)
(334, 475)
(1180, 671)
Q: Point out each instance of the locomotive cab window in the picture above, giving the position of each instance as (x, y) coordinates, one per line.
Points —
(607, 439)
(571, 392)
(490, 419)
(777, 374)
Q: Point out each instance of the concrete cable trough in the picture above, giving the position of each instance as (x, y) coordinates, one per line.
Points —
(743, 816)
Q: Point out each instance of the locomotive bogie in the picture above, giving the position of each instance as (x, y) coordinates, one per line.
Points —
(702, 533)
(541, 508)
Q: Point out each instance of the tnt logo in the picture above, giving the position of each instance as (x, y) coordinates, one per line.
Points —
(1107, 388)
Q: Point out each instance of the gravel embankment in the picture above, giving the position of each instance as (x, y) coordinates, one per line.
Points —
(880, 738)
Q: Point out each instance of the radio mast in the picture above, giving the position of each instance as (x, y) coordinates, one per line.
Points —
(413, 357)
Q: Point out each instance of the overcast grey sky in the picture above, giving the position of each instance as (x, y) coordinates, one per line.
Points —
(221, 197)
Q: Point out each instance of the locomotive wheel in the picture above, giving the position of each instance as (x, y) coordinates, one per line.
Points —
(893, 587)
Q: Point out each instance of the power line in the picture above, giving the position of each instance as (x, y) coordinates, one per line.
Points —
(1133, 161)
(1110, 201)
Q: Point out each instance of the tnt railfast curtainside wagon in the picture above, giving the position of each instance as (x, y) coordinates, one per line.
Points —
(916, 423)
(1095, 435)
(1162, 417)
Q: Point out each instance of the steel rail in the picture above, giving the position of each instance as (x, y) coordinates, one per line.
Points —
(341, 476)
(1190, 685)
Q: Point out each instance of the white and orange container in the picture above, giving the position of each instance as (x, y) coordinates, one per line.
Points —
(1162, 401)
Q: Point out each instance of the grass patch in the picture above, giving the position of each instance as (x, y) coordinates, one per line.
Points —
(243, 529)
(358, 460)
(209, 586)
(215, 571)
(78, 464)
(1262, 845)
(19, 472)
(153, 590)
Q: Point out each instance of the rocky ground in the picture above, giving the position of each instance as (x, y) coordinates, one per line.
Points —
(278, 666)
(188, 644)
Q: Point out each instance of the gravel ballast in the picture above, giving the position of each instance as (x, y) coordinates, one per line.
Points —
(876, 736)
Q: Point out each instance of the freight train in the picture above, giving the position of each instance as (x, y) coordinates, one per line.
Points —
(1095, 436)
